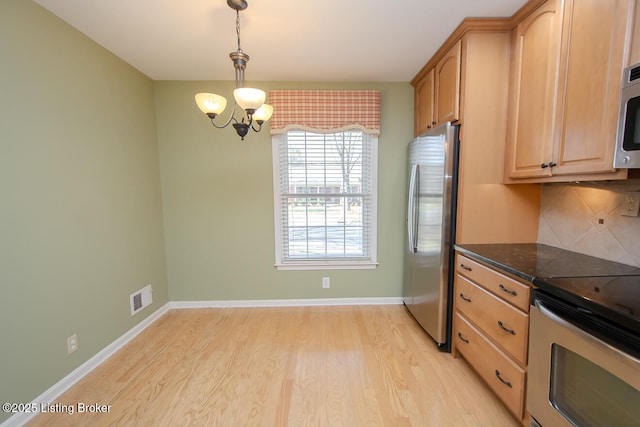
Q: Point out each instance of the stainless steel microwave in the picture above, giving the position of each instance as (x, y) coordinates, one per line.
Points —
(627, 153)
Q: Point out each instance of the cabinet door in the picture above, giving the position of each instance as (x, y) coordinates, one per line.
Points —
(424, 104)
(533, 84)
(593, 56)
(447, 86)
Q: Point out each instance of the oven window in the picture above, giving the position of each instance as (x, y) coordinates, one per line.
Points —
(588, 395)
(631, 141)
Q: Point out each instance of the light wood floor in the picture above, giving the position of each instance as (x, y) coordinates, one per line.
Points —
(300, 366)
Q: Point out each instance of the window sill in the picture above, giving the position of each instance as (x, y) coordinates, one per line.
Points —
(327, 265)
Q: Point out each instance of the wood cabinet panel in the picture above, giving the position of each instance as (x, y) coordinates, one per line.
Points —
(535, 58)
(567, 63)
(506, 325)
(491, 331)
(424, 119)
(489, 211)
(437, 94)
(447, 86)
(504, 377)
(503, 287)
(592, 61)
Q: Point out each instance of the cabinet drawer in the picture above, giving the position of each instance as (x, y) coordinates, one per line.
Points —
(506, 325)
(504, 377)
(498, 284)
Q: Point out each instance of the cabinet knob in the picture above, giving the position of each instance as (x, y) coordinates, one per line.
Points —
(553, 164)
(544, 165)
(433, 123)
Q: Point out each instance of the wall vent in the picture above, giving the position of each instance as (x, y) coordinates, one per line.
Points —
(141, 299)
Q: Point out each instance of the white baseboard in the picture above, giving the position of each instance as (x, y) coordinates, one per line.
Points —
(286, 302)
(67, 382)
(50, 395)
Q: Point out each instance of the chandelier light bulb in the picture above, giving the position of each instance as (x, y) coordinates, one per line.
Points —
(210, 103)
(249, 99)
(263, 113)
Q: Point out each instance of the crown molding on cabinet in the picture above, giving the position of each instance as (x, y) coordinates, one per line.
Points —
(477, 25)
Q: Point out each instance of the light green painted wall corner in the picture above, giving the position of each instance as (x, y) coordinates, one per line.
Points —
(218, 201)
(80, 209)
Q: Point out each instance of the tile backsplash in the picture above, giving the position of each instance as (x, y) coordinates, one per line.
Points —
(588, 220)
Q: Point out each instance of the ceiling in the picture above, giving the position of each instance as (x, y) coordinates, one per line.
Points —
(311, 40)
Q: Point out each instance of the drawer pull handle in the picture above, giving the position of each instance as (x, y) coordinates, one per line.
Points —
(464, 267)
(465, 298)
(463, 338)
(509, 291)
(507, 383)
(511, 331)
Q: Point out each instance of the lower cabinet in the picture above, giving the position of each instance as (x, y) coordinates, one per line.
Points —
(491, 329)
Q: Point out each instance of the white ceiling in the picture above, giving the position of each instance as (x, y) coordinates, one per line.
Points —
(308, 40)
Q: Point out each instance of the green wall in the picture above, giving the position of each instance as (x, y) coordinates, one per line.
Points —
(101, 169)
(217, 195)
(80, 204)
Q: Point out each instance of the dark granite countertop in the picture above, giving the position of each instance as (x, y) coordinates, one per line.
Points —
(532, 261)
(609, 288)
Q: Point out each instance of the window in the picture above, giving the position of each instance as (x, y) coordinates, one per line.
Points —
(325, 187)
(325, 148)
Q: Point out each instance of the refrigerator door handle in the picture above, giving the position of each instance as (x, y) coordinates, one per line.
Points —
(411, 217)
(410, 213)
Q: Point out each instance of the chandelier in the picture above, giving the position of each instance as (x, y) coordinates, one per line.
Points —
(251, 100)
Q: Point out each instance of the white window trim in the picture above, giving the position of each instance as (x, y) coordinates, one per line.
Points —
(331, 264)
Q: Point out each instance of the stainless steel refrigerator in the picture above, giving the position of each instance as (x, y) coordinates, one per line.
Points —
(430, 230)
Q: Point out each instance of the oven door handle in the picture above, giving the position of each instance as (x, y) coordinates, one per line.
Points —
(571, 327)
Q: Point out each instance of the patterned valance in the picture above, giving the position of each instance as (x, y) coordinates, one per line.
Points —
(323, 111)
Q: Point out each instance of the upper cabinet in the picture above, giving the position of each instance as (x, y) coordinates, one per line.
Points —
(437, 93)
(566, 69)
(533, 85)
(447, 86)
(423, 98)
(467, 82)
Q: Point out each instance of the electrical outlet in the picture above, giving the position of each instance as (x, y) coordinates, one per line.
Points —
(631, 204)
(326, 282)
(72, 343)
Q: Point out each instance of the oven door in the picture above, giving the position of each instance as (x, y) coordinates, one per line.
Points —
(576, 379)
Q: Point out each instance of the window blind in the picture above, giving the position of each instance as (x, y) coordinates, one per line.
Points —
(326, 196)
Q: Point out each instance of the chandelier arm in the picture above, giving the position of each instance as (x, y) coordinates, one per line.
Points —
(259, 122)
(232, 118)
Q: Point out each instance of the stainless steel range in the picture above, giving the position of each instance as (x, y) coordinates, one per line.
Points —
(584, 353)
